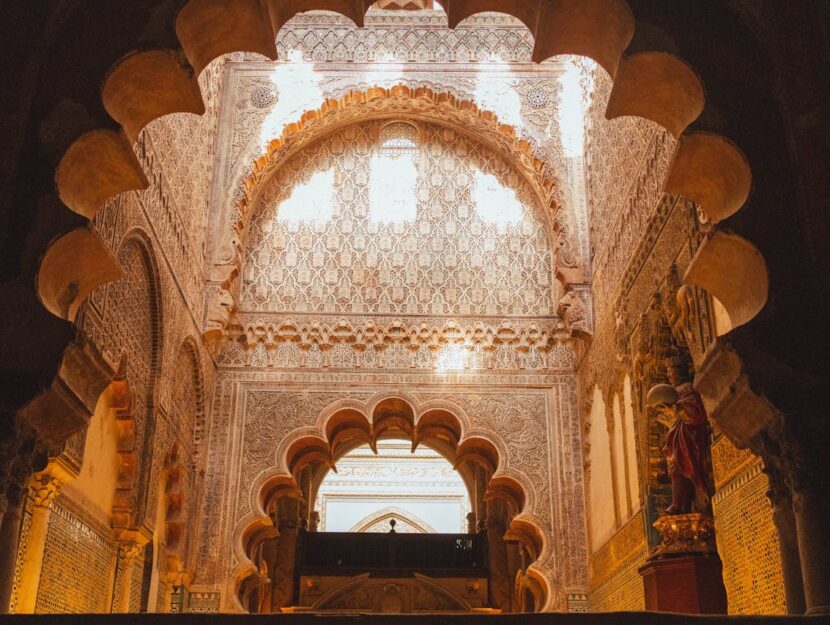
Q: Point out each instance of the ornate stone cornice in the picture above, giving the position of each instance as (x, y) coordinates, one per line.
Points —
(432, 333)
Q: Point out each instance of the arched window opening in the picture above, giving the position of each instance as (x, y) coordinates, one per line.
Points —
(420, 491)
(394, 174)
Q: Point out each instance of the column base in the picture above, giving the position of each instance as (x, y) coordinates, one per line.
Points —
(688, 584)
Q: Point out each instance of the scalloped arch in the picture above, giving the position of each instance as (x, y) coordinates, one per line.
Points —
(313, 444)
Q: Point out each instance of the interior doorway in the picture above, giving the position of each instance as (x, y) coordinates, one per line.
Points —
(396, 488)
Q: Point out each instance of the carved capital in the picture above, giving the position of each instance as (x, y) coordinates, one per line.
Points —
(44, 488)
(128, 550)
(731, 403)
(779, 492)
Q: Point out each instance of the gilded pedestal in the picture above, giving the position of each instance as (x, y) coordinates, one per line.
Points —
(684, 573)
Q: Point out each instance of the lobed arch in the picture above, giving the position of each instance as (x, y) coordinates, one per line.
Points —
(347, 424)
(655, 85)
(133, 491)
(400, 103)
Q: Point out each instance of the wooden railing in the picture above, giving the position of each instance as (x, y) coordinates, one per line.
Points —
(438, 555)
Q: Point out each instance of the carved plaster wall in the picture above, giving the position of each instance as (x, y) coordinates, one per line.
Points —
(453, 256)
(329, 57)
(257, 415)
(150, 317)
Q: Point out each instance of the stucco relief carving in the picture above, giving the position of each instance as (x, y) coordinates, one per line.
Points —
(523, 96)
(451, 256)
(417, 38)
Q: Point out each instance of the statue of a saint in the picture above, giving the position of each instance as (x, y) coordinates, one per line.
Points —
(686, 446)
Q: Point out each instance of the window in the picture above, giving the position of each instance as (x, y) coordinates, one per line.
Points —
(394, 174)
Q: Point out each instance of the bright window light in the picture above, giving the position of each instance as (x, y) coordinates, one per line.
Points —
(392, 189)
(452, 358)
(494, 202)
(312, 200)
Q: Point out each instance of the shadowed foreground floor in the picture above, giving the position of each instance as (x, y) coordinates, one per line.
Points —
(612, 618)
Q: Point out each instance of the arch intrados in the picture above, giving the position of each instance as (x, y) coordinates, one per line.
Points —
(190, 345)
(274, 488)
(507, 489)
(138, 237)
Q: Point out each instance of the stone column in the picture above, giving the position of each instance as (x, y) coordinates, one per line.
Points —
(128, 552)
(282, 577)
(811, 509)
(9, 536)
(500, 584)
(806, 441)
(784, 520)
(43, 489)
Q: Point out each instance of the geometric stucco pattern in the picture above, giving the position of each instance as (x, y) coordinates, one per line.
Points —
(449, 257)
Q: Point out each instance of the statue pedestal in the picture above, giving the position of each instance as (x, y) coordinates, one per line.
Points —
(687, 584)
(684, 573)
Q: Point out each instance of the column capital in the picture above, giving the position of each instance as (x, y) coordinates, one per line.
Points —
(128, 550)
(44, 488)
(131, 543)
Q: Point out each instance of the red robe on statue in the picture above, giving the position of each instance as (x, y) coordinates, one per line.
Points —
(687, 442)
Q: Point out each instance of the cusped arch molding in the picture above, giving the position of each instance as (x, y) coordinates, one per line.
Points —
(598, 29)
(348, 425)
(657, 86)
(147, 85)
(74, 265)
(731, 269)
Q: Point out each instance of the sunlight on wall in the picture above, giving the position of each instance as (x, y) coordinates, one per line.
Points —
(98, 477)
(494, 202)
(298, 88)
(452, 358)
(498, 94)
(392, 182)
(601, 493)
(310, 201)
(620, 465)
(572, 109)
(631, 446)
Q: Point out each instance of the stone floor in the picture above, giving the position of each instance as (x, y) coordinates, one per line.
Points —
(614, 618)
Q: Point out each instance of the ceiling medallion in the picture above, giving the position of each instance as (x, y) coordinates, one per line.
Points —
(537, 98)
(263, 96)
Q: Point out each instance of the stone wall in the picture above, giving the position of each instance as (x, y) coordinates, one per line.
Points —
(747, 539)
(148, 323)
(640, 238)
(78, 562)
(615, 584)
(255, 417)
